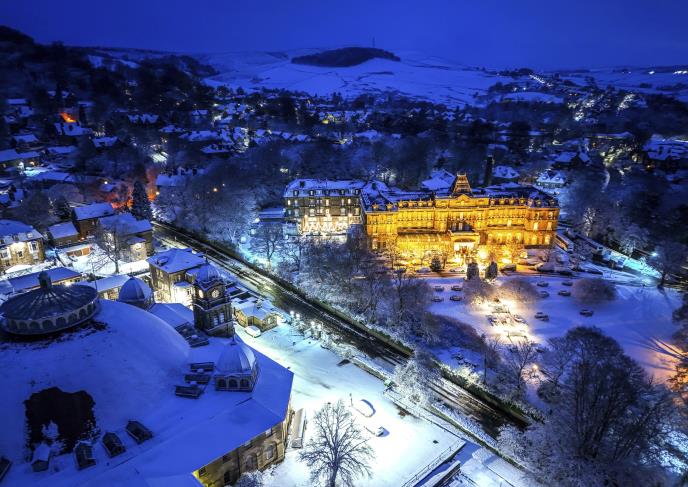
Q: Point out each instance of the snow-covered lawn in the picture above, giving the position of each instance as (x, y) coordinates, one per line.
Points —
(408, 444)
(639, 318)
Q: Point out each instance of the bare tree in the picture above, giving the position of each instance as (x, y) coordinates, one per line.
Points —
(338, 450)
(490, 350)
(412, 379)
(267, 239)
(593, 290)
(668, 258)
(522, 354)
(608, 425)
(112, 241)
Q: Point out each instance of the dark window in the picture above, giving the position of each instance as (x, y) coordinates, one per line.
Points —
(201, 472)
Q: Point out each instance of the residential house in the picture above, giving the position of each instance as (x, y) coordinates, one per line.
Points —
(172, 275)
(19, 244)
(86, 218)
(137, 235)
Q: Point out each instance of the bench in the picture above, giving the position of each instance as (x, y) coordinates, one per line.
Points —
(138, 431)
(113, 445)
(204, 366)
(190, 392)
(198, 378)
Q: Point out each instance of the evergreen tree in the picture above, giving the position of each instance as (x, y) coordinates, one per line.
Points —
(140, 205)
(61, 207)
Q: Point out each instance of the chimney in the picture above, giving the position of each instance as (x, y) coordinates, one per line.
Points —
(489, 166)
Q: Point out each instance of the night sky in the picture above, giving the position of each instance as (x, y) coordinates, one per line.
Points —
(536, 33)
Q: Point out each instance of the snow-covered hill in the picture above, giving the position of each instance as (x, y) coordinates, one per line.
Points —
(415, 76)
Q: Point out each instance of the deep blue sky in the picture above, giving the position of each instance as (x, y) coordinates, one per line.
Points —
(538, 33)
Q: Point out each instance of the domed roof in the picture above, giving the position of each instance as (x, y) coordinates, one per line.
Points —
(128, 368)
(134, 290)
(236, 358)
(48, 300)
(207, 273)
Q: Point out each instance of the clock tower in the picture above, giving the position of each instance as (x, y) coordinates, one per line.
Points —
(211, 307)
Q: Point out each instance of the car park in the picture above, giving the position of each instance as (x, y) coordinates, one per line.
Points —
(437, 299)
(438, 288)
(544, 294)
(564, 292)
(455, 297)
(457, 287)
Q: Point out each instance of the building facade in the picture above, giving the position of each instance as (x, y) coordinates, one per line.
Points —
(172, 274)
(326, 207)
(459, 222)
(20, 244)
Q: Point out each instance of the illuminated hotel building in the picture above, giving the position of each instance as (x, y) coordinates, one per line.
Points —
(455, 223)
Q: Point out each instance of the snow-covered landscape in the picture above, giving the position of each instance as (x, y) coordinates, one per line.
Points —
(446, 248)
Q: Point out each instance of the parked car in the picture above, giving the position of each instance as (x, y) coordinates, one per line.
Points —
(564, 292)
(567, 283)
(455, 270)
(455, 297)
(542, 316)
(364, 407)
(254, 331)
(586, 312)
(457, 287)
(544, 294)
(509, 267)
(377, 430)
(423, 270)
(543, 283)
(438, 288)
(437, 299)
(519, 319)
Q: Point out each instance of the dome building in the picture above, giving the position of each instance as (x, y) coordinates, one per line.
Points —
(236, 368)
(137, 293)
(49, 308)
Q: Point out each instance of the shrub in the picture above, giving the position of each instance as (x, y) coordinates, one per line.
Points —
(518, 289)
(476, 291)
(593, 290)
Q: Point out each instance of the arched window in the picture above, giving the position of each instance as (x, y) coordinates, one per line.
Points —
(221, 384)
(232, 384)
(47, 324)
(72, 318)
(82, 313)
(244, 383)
(61, 321)
(34, 325)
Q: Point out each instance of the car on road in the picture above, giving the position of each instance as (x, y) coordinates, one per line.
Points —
(586, 312)
(254, 331)
(454, 270)
(457, 287)
(364, 407)
(542, 316)
(439, 288)
(544, 294)
(542, 284)
(567, 283)
(377, 430)
(508, 267)
(519, 319)
(564, 292)
(455, 297)
(423, 270)
(437, 299)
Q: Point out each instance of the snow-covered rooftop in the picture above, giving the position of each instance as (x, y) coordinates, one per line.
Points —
(175, 260)
(505, 172)
(63, 230)
(125, 224)
(130, 369)
(15, 231)
(30, 281)
(94, 210)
